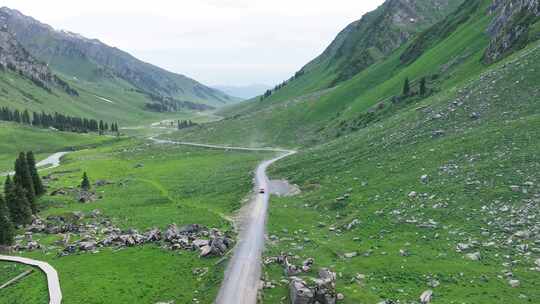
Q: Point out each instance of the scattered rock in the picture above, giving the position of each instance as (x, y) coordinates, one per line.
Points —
(514, 283)
(515, 188)
(476, 256)
(299, 292)
(425, 297)
(87, 246)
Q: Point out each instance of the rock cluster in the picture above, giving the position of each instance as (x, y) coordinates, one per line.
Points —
(79, 195)
(95, 231)
(321, 290)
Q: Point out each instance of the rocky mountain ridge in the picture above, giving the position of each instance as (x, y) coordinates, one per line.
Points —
(511, 26)
(80, 57)
(379, 33)
(16, 58)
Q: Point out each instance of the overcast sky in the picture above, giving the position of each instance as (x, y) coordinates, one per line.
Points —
(218, 42)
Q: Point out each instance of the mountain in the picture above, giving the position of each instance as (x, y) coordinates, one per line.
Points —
(377, 34)
(15, 58)
(367, 41)
(428, 190)
(244, 92)
(458, 47)
(91, 60)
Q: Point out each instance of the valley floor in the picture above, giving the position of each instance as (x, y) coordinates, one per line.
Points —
(147, 185)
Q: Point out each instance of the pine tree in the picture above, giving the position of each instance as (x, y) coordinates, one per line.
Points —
(20, 211)
(23, 178)
(6, 226)
(36, 180)
(85, 184)
(423, 89)
(406, 87)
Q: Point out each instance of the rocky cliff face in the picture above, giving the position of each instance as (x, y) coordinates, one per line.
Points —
(380, 32)
(69, 53)
(14, 57)
(510, 27)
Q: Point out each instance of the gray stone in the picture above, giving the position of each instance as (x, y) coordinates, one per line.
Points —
(299, 292)
(425, 297)
(87, 246)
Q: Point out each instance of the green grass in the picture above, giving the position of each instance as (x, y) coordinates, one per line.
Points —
(30, 289)
(381, 164)
(18, 138)
(127, 107)
(315, 117)
(176, 184)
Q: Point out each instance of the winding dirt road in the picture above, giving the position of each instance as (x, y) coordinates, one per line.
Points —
(242, 277)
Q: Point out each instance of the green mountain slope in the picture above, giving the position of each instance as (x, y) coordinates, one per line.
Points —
(446, 54)
(91, 60)
(404, 193)
(449, 180)
(366, 42)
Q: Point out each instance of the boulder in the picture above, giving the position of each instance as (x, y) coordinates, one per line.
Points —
(198, 243)
(153, 235)
(70, 249)
(476, 256)
(193, 228)
(171, 233)
(350, 255)
(425, 297)
(299, 292)
(205, 251)
(515, 188)
(514, 283)
(86, 197)
(87, 246)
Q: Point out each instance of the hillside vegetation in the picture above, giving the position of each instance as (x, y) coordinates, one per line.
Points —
(16, 138)
(443, 196)
(405, 192)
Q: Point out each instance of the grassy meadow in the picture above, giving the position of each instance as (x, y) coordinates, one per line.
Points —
(474, 142)
(153, 186)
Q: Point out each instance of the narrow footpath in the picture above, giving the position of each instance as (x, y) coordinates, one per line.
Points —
(53, 282)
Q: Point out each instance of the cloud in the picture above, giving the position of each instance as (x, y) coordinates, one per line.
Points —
(216, 41)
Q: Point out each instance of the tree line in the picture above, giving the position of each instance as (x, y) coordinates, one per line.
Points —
(58, 121)
(280, 86)
(183, 124)
(18, 203)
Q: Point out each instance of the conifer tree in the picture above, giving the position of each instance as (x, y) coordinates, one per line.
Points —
(423, 89)
(85, 184)
(20, 211)
(36, 180)
(6, 226)
(101, 127)
(406, 87)
(23, 178)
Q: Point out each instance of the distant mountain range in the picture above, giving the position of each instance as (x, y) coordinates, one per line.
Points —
(244, 92)
(91, 60)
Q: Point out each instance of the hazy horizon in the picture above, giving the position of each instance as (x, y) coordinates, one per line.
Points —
(208, 40)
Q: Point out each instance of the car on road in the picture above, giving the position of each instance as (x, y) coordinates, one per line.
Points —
(262, 191)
